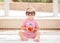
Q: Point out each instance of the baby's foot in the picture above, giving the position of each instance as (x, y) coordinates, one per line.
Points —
(24, 39)
(36, 40)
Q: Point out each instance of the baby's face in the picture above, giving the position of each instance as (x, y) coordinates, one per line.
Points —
(30, 13)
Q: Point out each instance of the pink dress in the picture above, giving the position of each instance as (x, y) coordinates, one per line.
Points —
(28, 22)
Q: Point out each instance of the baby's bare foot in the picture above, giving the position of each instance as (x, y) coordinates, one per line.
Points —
(24, 39)
(36, 40)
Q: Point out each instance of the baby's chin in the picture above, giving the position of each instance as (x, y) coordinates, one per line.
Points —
(30, 17)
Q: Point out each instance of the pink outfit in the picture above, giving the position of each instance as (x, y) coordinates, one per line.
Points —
(27, 23)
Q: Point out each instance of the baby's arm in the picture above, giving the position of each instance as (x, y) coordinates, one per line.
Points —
(36, 28)
(24, 28)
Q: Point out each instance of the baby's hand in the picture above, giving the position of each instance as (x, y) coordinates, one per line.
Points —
(34, 29)
(30, 29)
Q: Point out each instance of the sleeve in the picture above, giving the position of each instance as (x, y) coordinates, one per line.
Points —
(36, 25)
(24, 24)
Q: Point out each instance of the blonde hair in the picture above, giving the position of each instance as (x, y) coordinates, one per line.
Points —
(30, 8)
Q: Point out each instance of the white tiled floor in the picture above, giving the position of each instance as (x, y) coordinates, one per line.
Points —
(46, 36)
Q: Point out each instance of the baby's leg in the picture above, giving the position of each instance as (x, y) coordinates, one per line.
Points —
(37, 37)
(22, 35)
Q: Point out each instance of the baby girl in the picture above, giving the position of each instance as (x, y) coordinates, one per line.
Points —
(30, 27)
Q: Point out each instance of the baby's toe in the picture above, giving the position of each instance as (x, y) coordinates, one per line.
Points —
(36, 40)
(24, 39)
